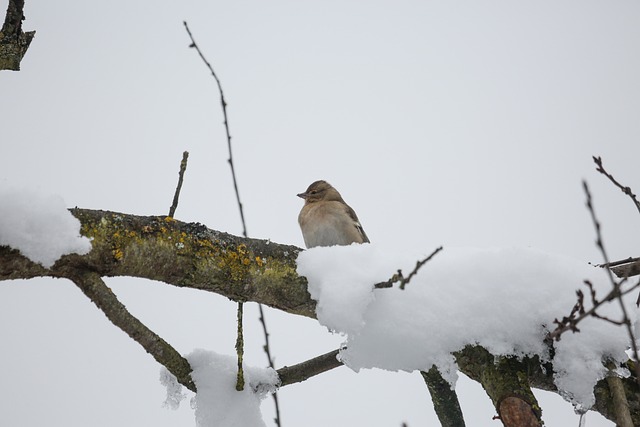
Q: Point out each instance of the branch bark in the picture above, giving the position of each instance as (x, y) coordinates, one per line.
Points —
(180, 254)
(444, 398)
(13, 41)
(305, 370)
(92, 285)
(191, 255)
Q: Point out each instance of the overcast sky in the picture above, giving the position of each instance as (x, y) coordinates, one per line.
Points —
(441, 123)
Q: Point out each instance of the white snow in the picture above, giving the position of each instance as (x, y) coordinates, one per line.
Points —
(218, 403)
(502, 299)
(174, 389)
(39, 226)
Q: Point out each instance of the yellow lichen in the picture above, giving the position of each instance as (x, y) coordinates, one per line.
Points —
(118, 254)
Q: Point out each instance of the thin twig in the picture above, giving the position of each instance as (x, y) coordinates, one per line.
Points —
(616, 284)
(398, 277)
(176, 195)
(307, 369)
(267, 350)
(240, 349)
(223, 102)
(570, 322)
(578, 313)
(626, 190)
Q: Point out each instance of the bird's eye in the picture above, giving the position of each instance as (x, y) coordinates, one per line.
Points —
(313, 191)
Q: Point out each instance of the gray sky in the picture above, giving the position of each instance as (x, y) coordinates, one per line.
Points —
(461, 124)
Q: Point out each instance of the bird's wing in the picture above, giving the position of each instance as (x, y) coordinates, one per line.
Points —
(356, 223)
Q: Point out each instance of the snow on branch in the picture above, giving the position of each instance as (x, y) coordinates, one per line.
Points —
(500, 301)
(39, 226)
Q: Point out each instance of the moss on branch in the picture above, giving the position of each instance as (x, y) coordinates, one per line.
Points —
(180, 254)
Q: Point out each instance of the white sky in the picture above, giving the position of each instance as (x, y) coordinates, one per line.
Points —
(462, 124)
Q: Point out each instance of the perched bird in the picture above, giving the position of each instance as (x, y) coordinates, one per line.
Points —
(326, 220)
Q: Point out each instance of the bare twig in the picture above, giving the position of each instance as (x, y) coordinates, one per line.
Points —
(223, 102)
(176, 195)
(303, 371)
(398, 277)
(579, 312)
(267, 350)
(240, 349)
(626, 190)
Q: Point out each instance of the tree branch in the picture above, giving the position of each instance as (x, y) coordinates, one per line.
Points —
(305, 370)
(191, 255)
(13, 41)
(620, 403)
(176, 194)
(626, 190)
(92, 285)
(180, 254)
(444, 398)
(398, 277)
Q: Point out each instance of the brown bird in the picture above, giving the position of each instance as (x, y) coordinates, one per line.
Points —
(326, 220)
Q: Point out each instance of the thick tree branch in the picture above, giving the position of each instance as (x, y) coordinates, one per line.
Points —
(180, 254)
(191, 255)
(13, 41)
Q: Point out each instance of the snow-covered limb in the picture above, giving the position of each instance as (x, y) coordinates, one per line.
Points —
(504, 300)
(179, 254)
(190, 255)
(39, 226)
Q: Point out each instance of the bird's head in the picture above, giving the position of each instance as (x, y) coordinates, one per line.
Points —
(320, 190)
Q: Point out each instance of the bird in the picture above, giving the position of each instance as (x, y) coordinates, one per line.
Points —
(326, 220)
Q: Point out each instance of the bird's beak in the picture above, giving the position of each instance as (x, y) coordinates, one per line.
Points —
(302, 195)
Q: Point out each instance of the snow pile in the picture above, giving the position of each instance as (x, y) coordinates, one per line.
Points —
(39, 226)
(502, 299)
(217, 403)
